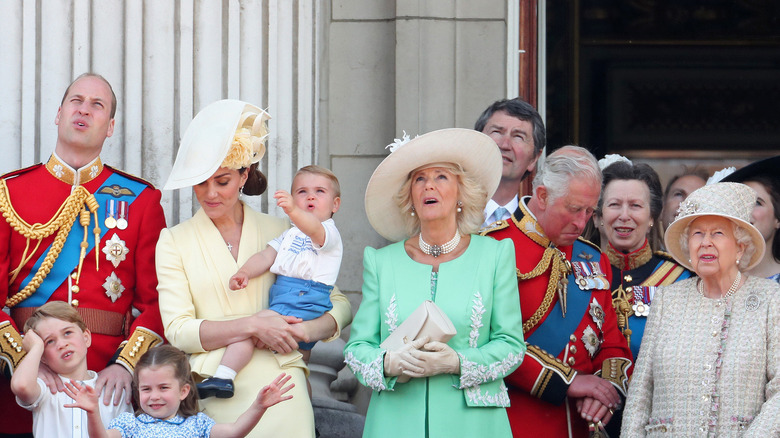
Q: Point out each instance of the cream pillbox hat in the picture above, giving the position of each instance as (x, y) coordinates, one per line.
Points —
(733, 201)
(226, 133)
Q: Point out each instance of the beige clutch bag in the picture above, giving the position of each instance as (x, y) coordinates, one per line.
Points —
(427, 320)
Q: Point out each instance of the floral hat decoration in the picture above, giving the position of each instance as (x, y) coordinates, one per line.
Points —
(474, 151)
(733, 201)
(226, 133)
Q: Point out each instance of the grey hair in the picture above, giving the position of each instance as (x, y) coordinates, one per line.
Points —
(472, 195)
(563, 166)
(742, 237)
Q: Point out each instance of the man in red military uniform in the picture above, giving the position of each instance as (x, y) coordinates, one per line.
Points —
(78, 231)
(576, 369)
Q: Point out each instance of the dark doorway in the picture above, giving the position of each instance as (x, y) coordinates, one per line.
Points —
(665, 79)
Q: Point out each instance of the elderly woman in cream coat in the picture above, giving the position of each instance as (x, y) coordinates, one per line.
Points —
(710, 357)
(195, 260)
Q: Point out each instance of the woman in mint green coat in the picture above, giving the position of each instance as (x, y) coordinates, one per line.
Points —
(428, 195)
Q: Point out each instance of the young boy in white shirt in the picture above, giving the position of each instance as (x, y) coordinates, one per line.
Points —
(56, 336)
(306, 260)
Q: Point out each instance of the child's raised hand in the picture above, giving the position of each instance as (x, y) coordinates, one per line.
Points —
(84, 396)
(273, 393)
(31, 340)
(285, 201)
(239, 281)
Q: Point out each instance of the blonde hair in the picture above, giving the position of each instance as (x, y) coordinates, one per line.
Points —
(327, 173)
(471, 194)
(57, 310)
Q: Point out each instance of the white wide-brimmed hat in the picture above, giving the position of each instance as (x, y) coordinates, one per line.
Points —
(226, 133)
(474, 151)
(733, 201)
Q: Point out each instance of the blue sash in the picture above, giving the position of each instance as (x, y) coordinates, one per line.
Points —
(553, 333)
(71, 250)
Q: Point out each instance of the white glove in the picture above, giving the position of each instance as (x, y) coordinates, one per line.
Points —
(434, 358)
(396, 361)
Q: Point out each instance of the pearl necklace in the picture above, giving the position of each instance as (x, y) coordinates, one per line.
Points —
(437, 250)
(730, 292)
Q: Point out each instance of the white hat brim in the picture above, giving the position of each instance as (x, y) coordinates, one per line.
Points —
(206, 142)
(675, 230)
(474, 151)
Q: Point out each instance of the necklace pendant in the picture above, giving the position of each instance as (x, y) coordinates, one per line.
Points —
(230, 247)
(435, 250)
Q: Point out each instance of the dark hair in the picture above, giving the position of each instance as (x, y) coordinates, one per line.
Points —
(772, 186)
(640, 172)
(256, 183)
(518, 109)
(93, 75)
(169, 355)
(687, 171)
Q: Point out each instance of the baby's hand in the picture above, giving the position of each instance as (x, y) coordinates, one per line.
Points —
(273, 393)
(239, 281)
(31, 340)
(285, 201)
(84, 396)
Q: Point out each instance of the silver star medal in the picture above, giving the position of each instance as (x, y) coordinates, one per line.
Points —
(115, 250)
(113, 287)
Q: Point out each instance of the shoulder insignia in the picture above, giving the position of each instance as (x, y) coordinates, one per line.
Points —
(583, 240)
(116, 191)
(664, 255)
(497, 225)
(131, 176)
(18, 172)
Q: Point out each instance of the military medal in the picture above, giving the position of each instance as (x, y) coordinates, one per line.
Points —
(113, 287)
(641, 305)
(111, 215)
(121, 222)
(597, 313)
(115, 250)
(591, 341)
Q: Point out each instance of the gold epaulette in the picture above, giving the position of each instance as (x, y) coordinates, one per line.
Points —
(139, 343)
(664, 255)
(11, 350)
(497, 225)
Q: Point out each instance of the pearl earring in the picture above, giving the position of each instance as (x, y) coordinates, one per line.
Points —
(459, 209)
(412, 213)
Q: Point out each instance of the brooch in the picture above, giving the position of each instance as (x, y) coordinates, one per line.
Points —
(641, 305)
(752, 302)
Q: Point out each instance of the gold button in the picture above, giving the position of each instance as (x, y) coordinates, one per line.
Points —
(74, 303)
(572, 338)
(571, 361)
(141, 338)
(18, 349)
(629, 289)
(628, 278)
(7, 335)
(74, 275)
(74, 289)
(572, 348)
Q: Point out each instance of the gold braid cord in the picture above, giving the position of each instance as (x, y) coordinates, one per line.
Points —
(60, 223)
(556, 274)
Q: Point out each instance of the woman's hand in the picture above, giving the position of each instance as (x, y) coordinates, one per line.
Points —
(435, 358)
(275, 331)
(398, 361)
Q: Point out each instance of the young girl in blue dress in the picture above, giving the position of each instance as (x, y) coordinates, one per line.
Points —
(164, 391)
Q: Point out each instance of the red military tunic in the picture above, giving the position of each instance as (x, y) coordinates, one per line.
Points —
(105, 296)
(537, 389)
